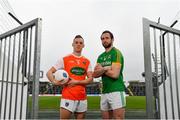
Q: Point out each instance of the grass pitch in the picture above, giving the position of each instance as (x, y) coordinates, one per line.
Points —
(53, 103)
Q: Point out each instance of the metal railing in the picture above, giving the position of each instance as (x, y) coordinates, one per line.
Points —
(162, 71)
(19, 65)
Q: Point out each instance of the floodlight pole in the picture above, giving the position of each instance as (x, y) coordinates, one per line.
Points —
(15, 18)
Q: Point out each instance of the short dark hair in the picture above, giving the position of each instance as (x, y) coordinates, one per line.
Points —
(110, 33)
(78, 36)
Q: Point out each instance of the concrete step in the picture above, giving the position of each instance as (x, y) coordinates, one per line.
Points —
(92, 115)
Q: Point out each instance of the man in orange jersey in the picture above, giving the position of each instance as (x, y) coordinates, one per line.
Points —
(80, 72)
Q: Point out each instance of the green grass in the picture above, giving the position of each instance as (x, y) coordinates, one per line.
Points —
(53, 102)
(135, 102)
(49, 102)
(93, 102)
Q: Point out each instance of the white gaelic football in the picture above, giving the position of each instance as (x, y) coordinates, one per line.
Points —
(61, 75)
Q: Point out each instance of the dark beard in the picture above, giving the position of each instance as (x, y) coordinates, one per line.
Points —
(107, 46)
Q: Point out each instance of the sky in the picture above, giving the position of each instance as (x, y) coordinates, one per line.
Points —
(63, 19)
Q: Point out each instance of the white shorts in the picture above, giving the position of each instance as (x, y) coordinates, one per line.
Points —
(74, 105)
(113, 100)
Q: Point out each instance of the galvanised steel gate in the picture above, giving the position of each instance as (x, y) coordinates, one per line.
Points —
(162, 70)
(20, 66)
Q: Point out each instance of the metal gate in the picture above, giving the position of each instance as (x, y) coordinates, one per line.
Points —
(162, 70)
(19, 67)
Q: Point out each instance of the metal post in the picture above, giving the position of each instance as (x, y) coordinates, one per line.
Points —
(35, 94)
(156, 88)
(176, 78)
(170, 77)
(17, 80)
(29, 71)
(12, 76)
(163, 76)
(3, 72)
(148, 69)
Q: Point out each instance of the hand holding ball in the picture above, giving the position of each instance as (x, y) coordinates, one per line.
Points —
(62, 76)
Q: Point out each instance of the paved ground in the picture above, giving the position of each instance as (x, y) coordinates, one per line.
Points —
(92, 115)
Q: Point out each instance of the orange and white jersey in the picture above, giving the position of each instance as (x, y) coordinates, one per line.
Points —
(77, 68)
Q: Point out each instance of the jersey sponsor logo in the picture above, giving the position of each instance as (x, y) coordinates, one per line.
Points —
(106, 63)
(78, 71)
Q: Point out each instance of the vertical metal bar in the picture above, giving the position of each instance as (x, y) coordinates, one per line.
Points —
(179, 41)
(148, 69)
(175, 67)
(0, 54)
(7, 77)
(178, 89)
(12, 75)
(17, 80)
(23, 70)
(25, 52)
(36, 69)
(163, 71)
(29, 71)
(157, 103)
(170, 76)
(3, 70)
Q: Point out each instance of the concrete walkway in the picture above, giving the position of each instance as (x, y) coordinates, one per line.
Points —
(92, 115)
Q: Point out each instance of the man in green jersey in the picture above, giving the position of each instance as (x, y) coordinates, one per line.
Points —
(110, 67)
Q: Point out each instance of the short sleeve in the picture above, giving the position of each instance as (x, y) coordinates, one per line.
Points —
(59, 64)
(89, 67)
(98, 60)
(117, 57)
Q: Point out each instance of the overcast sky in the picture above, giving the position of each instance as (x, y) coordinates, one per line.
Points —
(63, 19)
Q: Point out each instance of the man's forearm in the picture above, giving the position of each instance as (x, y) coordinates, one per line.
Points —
(111, 74)
(98, 73)
(50, 76)
(86, 81)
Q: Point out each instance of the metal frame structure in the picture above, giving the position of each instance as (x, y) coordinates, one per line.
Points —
(157, 81)
(20, 48)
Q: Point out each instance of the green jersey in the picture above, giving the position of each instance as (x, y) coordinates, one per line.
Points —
(106, 59)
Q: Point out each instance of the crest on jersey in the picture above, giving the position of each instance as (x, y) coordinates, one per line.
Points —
(66, 104)
(84, 62)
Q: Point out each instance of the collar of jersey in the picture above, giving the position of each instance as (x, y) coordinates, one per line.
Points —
(76, 55)
(109, 51)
